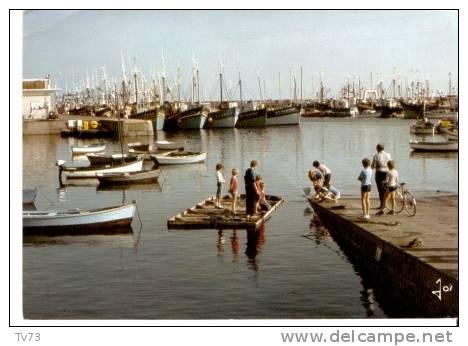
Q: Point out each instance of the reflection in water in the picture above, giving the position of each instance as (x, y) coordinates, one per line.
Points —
(255, 242)
(220, 243)
(235, 246)
(433, 155)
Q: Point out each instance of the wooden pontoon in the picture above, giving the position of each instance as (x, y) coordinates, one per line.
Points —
(205, 215)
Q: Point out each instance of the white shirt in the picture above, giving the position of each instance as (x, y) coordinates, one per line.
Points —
(392, 177)
(219, 177)
(379, 161)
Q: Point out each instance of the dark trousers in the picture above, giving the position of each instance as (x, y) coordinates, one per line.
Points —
(379, 179)
(326, 180)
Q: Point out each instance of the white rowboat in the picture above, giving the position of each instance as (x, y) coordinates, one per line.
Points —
(95, 148)
(434, 146)
(90, 172)
(166, 145)
(178, 157)
(74, 220)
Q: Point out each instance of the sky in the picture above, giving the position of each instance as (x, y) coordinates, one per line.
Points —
(263, 44)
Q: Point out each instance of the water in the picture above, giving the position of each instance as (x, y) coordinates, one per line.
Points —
(291, 269)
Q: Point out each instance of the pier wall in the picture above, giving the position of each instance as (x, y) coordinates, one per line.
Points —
(392, 266)
(43, 127)
(130, 127)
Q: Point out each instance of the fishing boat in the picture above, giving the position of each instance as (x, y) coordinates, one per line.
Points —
(422, 127)
(93, 148)
(226, 117)
(75, 220)
(290, 115)
(148, 176)
(139, 147)
(253, 118)
(110, 159)
(29, 195)
(167, 145)
(434, 146)
(193, 118)
(390, 108)
(91, 172)
(178, 157)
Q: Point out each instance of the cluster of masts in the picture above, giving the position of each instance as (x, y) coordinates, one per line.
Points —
(133, 87)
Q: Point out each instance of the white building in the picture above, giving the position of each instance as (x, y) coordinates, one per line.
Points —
(38, 98)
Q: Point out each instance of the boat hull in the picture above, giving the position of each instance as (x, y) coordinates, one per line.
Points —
(165, 159)
(107, 159)
(91, 172)
(165, 145)
(434, 146)
(193, 121)
(255, 118)
(223, 118)
(129, 178)
(118, 217)
(86, 150)
(158, 123)
(29, 195)
(285, 116)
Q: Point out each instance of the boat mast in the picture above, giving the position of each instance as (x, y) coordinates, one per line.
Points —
(221, 84)
(259, 87)
(279, 85)
(301, 84)
(198, 85)
(240, 90)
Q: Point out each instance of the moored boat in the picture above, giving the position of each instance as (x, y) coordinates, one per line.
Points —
(194, 118)
(178, 157)
(434, 146)
(77, 220)
(252, 118)
(223, 118)
(90, 172)
(29, 195)
(422, 127)
(148, 176)
(93, 148)
(290, 115)
(139, 146)
(167, 145)
(107, 159)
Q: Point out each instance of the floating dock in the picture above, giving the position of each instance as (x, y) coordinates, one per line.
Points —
(205, 215)
(415, 256)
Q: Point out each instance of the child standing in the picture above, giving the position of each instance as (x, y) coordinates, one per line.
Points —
(365, 179)
(391, 183)
(220, 182)
(233, 187)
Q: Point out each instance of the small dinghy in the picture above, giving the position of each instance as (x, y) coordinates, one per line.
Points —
(109, 159)
(94, 148)
(139, 147)
(178, 157)
(434, 146)
(149, 176)
(29, 195)
(166, 145)
(91, 172)
(77, 220)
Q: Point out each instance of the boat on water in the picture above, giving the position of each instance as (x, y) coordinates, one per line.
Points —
(289, 115)
(193, 118)
(434, 146)
(139, 147)
(223, 118)
(252, 118)
(391, 108)
(90, 172)
(150, 112)
(76, 220)
(93, 148)
(178, 157)
(167, 145)
(148, 176)
(422, 127)
(110, 159)
(29, 195)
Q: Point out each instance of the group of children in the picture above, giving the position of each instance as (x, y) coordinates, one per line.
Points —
(386, 179)
(261, 203)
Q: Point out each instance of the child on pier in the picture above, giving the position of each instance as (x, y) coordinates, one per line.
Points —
(263, 205)
(365, 178)
(220, 182)
(390, 186)
(233, 187)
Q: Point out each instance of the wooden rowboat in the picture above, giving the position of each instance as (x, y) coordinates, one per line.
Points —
(91, 172)
(166, 145)
(75, 220)
(139, 147)
(108, 159)
(94, 148)
(148, 176)
(178, 157)
(29, 195)
(434, 146)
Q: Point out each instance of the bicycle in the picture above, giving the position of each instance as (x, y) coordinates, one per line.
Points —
(405, 200)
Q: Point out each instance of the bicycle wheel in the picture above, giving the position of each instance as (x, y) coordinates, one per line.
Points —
(410, 203)
(399, 202)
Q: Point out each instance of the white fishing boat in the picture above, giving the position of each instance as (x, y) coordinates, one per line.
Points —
(90, 172)
(93, 148)
(434, 146)
(29, 195)
(167, 145)
(75, 219)
(290, 115)
(178, 157)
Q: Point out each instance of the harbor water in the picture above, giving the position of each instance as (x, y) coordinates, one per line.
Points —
(290, 269)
